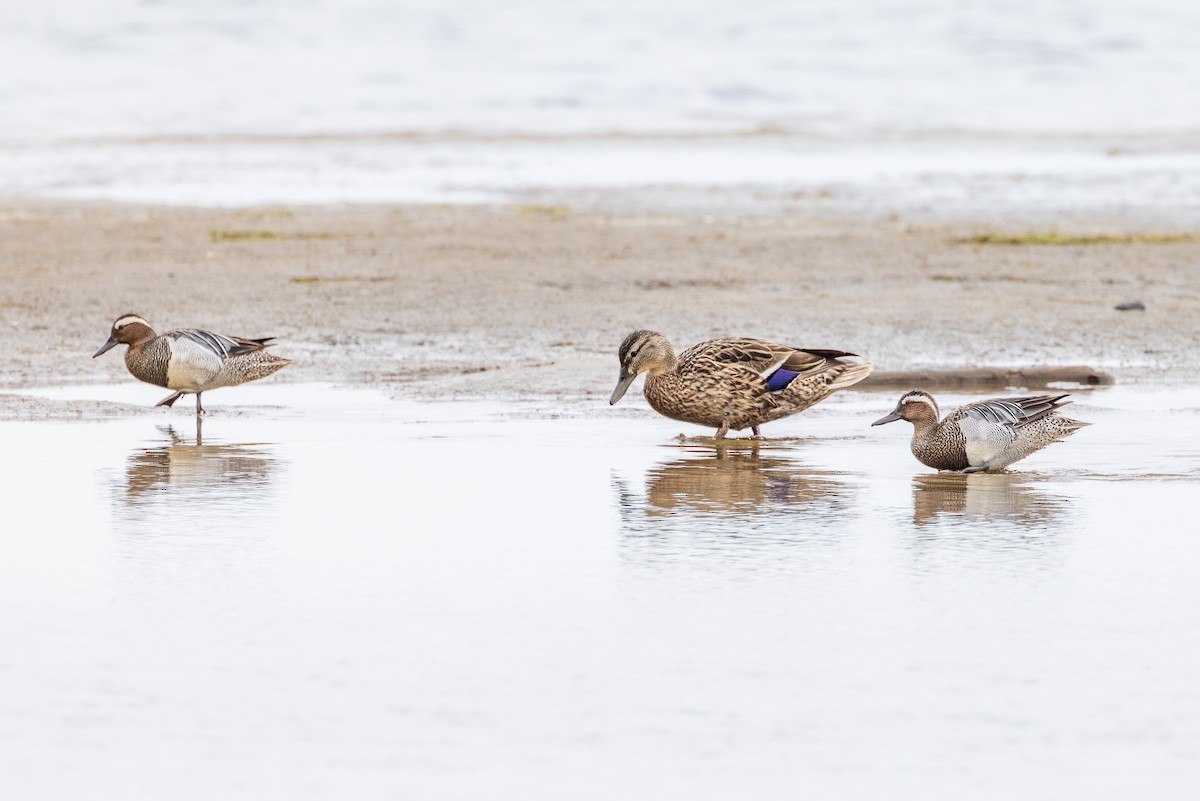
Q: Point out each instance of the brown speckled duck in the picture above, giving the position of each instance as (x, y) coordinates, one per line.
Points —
(733, 383)
(190, 361)
(985, 435)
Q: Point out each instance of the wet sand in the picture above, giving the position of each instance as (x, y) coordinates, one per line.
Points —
(530, 302)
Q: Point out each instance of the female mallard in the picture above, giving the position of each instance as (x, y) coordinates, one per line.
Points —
(732, 383)
(190, 361)
(985, 435)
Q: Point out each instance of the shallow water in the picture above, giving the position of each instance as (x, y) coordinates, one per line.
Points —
(334, 595)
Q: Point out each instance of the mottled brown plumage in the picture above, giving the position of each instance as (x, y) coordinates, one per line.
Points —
(984, 435)
(732, 383)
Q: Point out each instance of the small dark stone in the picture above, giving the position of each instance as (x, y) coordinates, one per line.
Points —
(1133, 305)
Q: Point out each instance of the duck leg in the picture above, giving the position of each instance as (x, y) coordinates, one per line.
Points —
(754, 430)
(199, 408)
(170, 399)
(722, 431)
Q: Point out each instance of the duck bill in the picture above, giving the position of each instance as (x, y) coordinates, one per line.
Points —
(888, 418)
(622, 385)
(106, 347)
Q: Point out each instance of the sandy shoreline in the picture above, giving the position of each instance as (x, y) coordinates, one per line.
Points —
(532, 301)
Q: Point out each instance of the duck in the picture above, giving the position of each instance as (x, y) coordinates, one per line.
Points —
(986, 435)
(190, 361)
(732, 383)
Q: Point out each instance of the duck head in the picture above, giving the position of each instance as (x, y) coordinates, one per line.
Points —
(916, 406)
(129, 329)
(641, 352)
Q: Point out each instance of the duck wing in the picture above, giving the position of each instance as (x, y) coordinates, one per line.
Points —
(250, 345)
(1013, 412)
(759, 355)
(777, 365)
(990, 426)
(220, 345)
(735, 352)
(806, 361)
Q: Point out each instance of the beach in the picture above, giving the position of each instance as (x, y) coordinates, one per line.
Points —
(530, 302)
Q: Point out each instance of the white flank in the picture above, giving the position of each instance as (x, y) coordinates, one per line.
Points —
(985, 442)
(192, 367)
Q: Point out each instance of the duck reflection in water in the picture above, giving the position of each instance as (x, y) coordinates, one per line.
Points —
(733, 477)
(181, 466)
(734, 505)
(984, 497)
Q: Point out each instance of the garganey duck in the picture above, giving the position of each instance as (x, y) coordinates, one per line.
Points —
(734, 383)
(190, 361)
(985, 435)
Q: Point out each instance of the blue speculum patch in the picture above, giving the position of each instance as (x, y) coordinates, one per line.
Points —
(780, 379)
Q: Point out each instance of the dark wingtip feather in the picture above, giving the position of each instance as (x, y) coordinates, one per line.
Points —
(828, 354)
(245, 345)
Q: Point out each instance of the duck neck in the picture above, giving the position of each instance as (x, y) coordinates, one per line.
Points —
(923, 428)
(662, 374)
(149, 360)
(139, 335)
(668, 365)
(662, 383)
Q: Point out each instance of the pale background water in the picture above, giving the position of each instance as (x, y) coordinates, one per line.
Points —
(341, 596)
(88, 68)
(1080, 105)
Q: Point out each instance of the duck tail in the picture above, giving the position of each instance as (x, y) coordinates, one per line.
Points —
(280, 361)
(851, 375)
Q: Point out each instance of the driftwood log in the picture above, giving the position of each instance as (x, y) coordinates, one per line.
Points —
(985, 377)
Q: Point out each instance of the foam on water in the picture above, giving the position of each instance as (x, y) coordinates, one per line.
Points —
(335, 594)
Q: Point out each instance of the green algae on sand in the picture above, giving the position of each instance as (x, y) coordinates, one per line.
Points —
(219, 236)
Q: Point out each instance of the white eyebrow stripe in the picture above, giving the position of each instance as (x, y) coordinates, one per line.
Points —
(127, 319)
